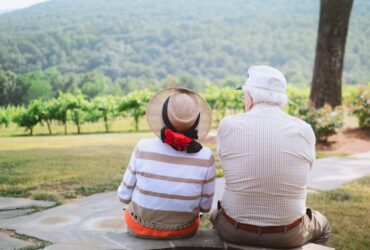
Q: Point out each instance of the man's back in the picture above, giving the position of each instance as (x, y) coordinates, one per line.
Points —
(266, 156)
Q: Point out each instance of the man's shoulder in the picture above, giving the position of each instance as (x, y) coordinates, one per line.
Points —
(232, 118)
(299, 122)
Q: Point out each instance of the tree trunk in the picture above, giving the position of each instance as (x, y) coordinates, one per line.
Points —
(331, 40)
(136, 123)
(49, 128)
(65, 123)
(106, 124)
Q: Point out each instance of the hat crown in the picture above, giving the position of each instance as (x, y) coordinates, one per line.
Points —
(182, 110)
(154, 111)
(266, 77)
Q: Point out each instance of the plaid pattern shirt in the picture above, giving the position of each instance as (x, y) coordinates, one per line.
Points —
(266, 156)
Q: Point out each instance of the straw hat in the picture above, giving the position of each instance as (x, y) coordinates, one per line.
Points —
(184, 107)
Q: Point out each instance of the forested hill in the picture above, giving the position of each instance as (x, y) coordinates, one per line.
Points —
(214, 39)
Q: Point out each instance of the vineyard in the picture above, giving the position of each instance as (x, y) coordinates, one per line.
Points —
(80, 111)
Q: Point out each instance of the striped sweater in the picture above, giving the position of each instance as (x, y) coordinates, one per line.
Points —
(166, 188)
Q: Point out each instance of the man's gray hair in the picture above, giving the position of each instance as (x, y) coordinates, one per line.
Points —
(266, 96)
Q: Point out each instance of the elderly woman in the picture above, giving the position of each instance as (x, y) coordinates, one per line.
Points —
(170, 179)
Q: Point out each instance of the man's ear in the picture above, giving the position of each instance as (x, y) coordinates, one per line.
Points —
(248, 101)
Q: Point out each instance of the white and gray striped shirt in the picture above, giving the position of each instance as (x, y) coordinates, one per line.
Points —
(165, 186)
(266, 156)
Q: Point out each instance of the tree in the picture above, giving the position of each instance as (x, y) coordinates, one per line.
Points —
(64, 103)
(135, 104)
(38, 86)
(26, 118)
(41, 110)
(223, 99)
(330, 47)
(11, 90)
(95, 84)
(106, 108)
(4, 117)
(78, 107)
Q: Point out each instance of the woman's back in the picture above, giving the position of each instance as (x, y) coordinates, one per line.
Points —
(169, 188)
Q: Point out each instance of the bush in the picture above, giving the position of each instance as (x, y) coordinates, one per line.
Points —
(324, 121)
(361, 107)
(298, 97)
(4, 117)
(27, 118)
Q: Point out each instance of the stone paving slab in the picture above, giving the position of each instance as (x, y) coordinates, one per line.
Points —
(15, 213)
(82, 222)
(10, 243)
(9, 203)
(330, 173)
(204, 239)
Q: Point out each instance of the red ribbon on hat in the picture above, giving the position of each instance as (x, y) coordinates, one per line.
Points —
(178, 141)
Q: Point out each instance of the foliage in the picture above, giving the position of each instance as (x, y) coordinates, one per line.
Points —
(135, 105)
(222, 99)
(105, 107)
(324, 121)
(78, 107)
(11, 91)
(157, 39)
(27, 118)
(361, 107)
(38, 86)
(298, 97)
(4, 117)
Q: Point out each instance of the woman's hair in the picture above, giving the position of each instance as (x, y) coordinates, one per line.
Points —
(266, 96)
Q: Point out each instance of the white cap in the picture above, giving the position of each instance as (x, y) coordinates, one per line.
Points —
(266, 77)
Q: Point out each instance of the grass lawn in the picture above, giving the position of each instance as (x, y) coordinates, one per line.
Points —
(347, 209)
(64, 167)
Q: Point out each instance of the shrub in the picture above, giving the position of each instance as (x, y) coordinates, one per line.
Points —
(361, 107)
(26, 118)
(324, 121)
(298, 97)
(4, 117)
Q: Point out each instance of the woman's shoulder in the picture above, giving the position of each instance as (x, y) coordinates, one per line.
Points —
(156, 145)
(146, 143)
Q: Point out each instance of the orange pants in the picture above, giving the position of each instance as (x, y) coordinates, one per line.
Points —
(146, 232)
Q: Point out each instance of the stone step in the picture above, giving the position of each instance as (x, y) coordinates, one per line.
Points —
(204, 239)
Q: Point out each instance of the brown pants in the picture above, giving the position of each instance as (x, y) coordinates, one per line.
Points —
(314, 228)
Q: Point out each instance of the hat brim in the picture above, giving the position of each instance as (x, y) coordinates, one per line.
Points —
(154, 112)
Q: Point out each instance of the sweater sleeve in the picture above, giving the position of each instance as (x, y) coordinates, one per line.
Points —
(128, 183)
(208, 189)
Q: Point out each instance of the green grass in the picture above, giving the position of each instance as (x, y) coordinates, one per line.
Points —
(64, 167)
(324, 154)
(347, 209)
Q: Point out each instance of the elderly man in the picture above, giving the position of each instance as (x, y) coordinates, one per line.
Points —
(266, 156)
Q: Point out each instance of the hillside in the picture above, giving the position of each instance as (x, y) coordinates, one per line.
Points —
(154, 39)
